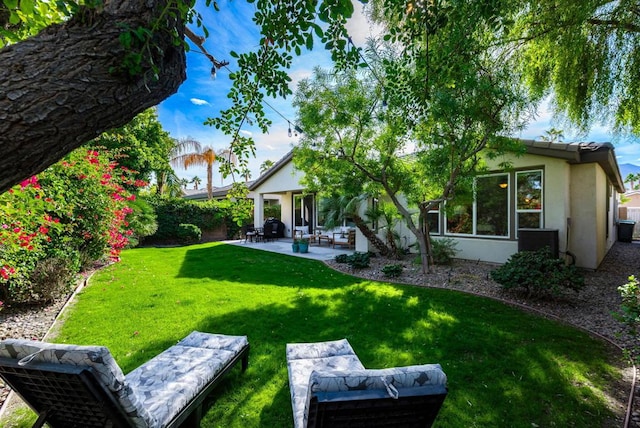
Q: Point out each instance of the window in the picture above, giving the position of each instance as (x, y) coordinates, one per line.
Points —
(488, 215)
(303, 210)
(433, 221)
(492, 205)
(529, 199)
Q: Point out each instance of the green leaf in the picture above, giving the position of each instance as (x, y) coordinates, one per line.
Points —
(26, 6)
(309, 41)
(14, 18)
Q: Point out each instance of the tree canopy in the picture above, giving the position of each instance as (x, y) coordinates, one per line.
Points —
(72, 70)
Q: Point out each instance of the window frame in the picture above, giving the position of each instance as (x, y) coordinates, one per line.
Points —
(542, 202)
(474, 211)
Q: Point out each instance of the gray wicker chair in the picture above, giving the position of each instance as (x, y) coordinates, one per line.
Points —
(331, 388)
(82, 386)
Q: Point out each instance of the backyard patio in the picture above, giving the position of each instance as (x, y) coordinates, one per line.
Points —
(316, 251)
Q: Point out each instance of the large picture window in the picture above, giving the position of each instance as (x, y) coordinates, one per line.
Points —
(529, 199)
(488, 215)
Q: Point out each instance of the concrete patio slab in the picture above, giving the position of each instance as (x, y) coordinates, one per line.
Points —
(283, 246)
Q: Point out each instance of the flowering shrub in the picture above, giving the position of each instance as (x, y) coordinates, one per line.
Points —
(70, 215)
(630, 307)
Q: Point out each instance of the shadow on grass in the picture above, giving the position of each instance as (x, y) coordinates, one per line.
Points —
(250, 266)
(498, 376)
(505, 367)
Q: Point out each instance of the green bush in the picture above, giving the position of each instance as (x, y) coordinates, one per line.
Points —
(355, 260)
(443, 250)
(358, 260)
(392, 271)
(342, 258)
(51, 278)
(172, 212)
(188, 233)
(630, 306)
(538, 273)
(143, 221)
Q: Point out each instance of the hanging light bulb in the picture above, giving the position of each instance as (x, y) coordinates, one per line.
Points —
(213, 73)
(289, 133)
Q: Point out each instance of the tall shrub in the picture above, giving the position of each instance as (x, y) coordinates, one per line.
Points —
(538, 273)
(70, 215)
(172, 212)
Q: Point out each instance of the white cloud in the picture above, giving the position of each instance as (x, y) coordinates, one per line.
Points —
(199, 102)
(247, 133)
(359, 26)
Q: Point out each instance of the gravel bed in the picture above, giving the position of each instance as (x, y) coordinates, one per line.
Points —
(590, 309)
(30, 322)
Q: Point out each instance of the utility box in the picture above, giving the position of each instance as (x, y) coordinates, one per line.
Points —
(625, 230)
(535, 239)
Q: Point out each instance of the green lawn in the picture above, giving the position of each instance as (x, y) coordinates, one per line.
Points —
(506, 368)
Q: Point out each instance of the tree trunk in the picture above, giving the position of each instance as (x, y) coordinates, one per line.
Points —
(371, 236)
(59, 89)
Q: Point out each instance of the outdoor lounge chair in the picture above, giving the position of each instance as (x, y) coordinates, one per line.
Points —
(347, 238)
(83, 386)
(331, 388)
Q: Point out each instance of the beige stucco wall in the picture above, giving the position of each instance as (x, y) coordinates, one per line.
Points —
(575, 192)
(590, 240)
(283, 182)
(584, 226)
(556, 199)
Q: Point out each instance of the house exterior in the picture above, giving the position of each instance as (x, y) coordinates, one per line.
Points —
(568, 190)
(283, 180)
(220, 193)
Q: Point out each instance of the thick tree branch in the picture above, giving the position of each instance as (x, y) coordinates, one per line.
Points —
(61, 88)
(632, 28)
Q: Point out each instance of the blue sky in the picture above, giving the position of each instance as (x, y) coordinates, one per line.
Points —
(201, 97)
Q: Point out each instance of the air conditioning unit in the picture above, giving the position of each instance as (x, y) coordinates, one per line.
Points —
(534, 239)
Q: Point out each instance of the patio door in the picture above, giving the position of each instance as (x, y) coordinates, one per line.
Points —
(304, 211)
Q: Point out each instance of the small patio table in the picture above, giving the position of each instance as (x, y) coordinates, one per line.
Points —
(326, 238)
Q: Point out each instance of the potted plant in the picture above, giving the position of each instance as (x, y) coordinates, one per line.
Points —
(304, 245)
(295, 246)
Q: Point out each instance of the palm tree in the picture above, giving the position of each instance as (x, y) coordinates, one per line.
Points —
(265, 166)
(227, 160)
(200, 156)
(335, 209)
(196, 182)
(387, 212)
(631, 178)
(246, 174)
(553, 135)
(167, 183)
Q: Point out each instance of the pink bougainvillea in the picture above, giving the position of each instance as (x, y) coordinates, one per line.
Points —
(77, 205)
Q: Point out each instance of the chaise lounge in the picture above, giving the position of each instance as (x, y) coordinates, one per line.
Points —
(83, 386)
(331, 388)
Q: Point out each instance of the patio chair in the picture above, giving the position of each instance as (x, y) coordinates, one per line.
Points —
(331, 388)
(343, 238)
(83, 386)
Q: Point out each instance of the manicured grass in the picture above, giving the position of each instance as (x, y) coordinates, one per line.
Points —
(506, 368)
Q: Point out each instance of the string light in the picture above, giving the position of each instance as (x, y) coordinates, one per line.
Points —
(199, 41)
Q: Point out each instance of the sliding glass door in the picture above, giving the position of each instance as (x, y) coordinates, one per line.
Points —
(304, 211)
